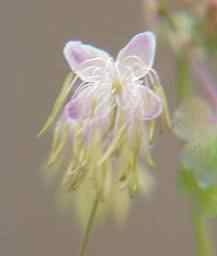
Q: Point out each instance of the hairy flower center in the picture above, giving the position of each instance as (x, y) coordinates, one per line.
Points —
(117, 86)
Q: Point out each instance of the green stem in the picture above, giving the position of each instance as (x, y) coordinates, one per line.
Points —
(164, 12)
(203, 243)
(89, 225)
(184, 84)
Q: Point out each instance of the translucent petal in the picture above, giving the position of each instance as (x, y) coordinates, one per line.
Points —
(141, 102)
(79, 107)
(89, 63)
(135, 59)
(150, 104)
(90, 108)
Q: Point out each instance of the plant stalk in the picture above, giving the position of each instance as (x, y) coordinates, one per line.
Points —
(89, 225)
(204, 246)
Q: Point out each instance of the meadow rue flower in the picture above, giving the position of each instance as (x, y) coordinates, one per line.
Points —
(105, 128)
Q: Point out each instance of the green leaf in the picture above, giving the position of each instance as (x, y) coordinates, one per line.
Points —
(184, 81)
(204, 197)
(187, 181)
(208, 201)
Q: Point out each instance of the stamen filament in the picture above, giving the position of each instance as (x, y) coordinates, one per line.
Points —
(67, 86)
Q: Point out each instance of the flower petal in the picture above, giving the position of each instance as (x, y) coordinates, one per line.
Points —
(149, 104)
(91, 103)
(88, 62)
(78, 108)
(137, 57)
(140, 102)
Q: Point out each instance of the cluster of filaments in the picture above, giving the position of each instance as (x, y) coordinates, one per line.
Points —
(109, 154)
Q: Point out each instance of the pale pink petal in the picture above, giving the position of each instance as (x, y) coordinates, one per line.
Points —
(91, 110)
(88, 62)
(91, 103)
(137, 57)
(79, 107)
(140, 102)
(150, 104)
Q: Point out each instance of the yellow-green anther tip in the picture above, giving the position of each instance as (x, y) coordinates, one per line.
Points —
(66, 88)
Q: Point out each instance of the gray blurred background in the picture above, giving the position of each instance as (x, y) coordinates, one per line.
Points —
(32, 68)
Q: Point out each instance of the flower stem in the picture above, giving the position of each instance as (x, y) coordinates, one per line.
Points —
(184, 84)
(203, 243)
(89, 225)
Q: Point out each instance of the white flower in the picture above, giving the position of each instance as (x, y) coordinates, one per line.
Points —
(129, 79)
(104, 132)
